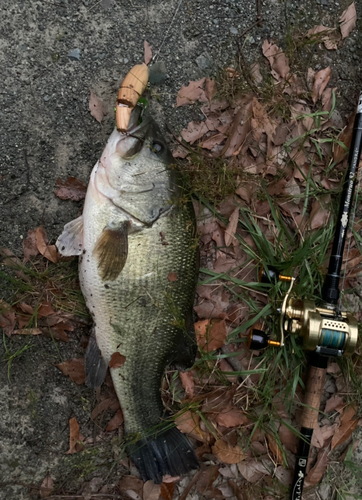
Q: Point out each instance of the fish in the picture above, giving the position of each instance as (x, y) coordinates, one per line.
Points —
(138, 267)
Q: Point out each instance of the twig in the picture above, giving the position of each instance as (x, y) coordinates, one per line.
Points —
(250, 28)
(258, 13)
(190, 485)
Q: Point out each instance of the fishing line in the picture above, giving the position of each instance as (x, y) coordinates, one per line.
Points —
(167, 32)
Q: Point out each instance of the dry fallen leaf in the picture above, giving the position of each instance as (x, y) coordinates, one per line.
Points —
(74, 369)
(194, 91)
(348, 20)
(115, 421)
(329, 36)
(117, 360)
(188, 423)
(187, 380)
(232, 418)
(46, 486)
(7, 318)
(74, 437)
(151, 491)
(147, 52)
(321, 80)
(274, 448)
(210, 89)
(316, 473)
(96, 107)
(167, 490)
(71, 189)
(48, 251)
(277, 59)
(194, 131)
(131, 484)
(227, 453)
(29, 246)
(231, 228)
(253, 471)
(210, 335)
(348, 425)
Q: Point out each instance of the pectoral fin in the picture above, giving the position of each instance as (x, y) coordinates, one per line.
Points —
(111, 251)
(70, 242)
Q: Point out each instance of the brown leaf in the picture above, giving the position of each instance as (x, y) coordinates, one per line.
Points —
(253, 471)
(335, 402)
(117, 360)
(206, 478)
(319, 216)
(210, 336)
(328, 36)
(74, 369)
(277, 59)
(288, 438)
(348, 20)
(131, 484)
(101, 407)
(7, 318)
(321, 80)
(188, 423)
(231, 228)
(187, 380)
(29, 246)
(191, 93)
(71, 189)
(255, 73)
(213, 141)
(261, 119)
(147, 52)
(74, 436)
(348, 425)
(210, 88)
(45, 309)
(167, 490)
(172, 277)
(28, 331)
(151, 491)
(232, 418)
(239, 130)
(274, 448)
(46, 486)
(96, 107)
(48, 251)
(316, 473)
(194, 131)
(115, 422)
(227, 453)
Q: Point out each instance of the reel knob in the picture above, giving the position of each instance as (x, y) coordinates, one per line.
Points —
(258, 340)
(272, 275)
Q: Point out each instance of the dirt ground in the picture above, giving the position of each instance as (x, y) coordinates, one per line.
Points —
(52, 52)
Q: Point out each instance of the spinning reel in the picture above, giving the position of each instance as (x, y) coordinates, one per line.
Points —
(324, 330)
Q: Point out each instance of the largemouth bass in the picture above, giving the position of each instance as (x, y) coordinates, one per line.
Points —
(138, 270)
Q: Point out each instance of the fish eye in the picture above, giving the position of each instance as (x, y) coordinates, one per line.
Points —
(157, 147)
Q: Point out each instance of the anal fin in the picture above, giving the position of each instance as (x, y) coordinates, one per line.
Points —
(70, 242)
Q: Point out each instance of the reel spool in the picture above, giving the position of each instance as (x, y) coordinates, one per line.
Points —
(322, 329)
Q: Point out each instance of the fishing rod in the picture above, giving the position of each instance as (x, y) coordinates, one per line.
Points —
(326, 330)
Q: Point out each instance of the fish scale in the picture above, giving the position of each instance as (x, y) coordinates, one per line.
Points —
(142, 311)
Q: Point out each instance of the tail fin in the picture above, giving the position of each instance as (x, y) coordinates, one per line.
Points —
(167, 453)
